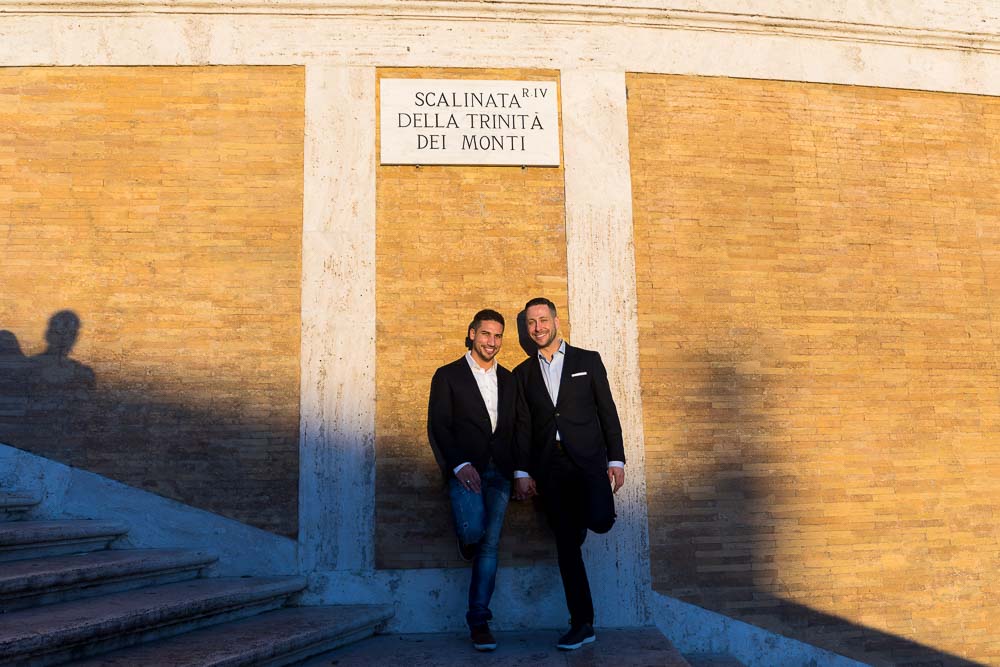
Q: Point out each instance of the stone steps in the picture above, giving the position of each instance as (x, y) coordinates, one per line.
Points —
(52, 634)
(282, 637)
(26, 583)
(36, 539)
(66, 595)
(14, 505)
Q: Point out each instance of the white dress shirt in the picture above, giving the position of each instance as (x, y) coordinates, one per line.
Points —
(486, 379)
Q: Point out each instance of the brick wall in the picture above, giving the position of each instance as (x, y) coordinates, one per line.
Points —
(818, 278)
(450, 241)
(162, 206)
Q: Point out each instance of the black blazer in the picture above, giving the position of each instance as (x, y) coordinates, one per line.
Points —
(458, 424)
(585, 414)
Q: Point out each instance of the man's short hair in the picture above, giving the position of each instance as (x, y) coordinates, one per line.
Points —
(486, 315)
(541, 301)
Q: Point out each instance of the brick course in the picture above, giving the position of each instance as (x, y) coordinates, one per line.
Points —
(818, 273)
(163, 206)
(450, 241)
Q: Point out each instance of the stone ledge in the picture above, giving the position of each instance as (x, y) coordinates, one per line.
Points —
(578, 13)
(59, 578)
(33, 539)
(54, 633)
(278, 637)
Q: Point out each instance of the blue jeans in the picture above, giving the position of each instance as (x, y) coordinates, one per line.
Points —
(478, 520)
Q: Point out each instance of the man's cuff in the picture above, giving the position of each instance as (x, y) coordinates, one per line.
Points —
(460, 466)
(616, 464)
(520, 474)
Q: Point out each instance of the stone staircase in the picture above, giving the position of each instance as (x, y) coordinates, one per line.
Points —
(67, 596)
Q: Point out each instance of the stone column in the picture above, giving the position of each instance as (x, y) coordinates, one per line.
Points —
(337, 452)
(602, 307)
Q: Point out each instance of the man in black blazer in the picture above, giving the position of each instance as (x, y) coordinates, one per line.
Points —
(470, 424)
(569, 449)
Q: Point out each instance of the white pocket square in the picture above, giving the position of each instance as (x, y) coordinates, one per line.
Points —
(576, 375)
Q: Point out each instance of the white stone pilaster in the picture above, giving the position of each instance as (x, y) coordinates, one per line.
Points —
(602, 307)
(337, 452)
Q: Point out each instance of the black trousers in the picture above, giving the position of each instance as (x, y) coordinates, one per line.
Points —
(575, 500)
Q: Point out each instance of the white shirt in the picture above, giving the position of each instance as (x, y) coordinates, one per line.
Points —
(486, 379)
(552, 374)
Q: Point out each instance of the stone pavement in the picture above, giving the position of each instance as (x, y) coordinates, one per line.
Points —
(634, 647)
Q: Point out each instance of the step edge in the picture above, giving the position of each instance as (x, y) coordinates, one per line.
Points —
(277, 652)
(66, 652)
(96, 582)
(19, 533)
(153, 617)
(92, 573)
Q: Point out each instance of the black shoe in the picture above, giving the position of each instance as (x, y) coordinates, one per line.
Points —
(577, 636)
(467, 551)
(482, 638)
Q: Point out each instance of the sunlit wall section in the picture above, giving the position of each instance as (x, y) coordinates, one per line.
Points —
(818, 283)
(151, 223)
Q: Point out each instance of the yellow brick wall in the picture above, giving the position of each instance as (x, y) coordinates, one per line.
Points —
(162, 205)
(818, 282)
(450, 241)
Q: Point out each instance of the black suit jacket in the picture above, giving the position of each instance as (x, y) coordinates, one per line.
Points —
(585, 414)
(458, 423)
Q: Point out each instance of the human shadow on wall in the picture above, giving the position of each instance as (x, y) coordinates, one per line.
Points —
(43, 395)
(714, 535)
(14, 374)
(523, 338)
(222, 453)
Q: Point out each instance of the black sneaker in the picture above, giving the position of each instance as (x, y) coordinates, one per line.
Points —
(577, 636)
(482, 638)
(467, 551)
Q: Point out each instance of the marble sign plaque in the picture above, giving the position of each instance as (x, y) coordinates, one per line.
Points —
(465, 122)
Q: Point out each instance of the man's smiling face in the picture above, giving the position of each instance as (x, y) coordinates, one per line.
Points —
(542, 325)
(486, 340)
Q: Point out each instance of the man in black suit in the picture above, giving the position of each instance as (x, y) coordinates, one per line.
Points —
(470, 424)
(568, 442)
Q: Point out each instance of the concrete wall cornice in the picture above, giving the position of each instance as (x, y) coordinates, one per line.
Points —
(962, 26)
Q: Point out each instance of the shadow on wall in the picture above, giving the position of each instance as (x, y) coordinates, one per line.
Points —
(523, 339)
(717, 524)
(43, 395)
(220, 453)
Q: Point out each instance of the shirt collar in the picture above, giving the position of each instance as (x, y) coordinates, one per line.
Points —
(561, 350)
(476, 367)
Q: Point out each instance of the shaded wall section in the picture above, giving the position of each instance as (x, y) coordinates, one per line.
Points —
(450, 241)
(818, 284)
(150, 229)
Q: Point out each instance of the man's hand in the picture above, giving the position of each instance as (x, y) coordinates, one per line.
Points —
(469, 479)
(524, 488)
(616, 476)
